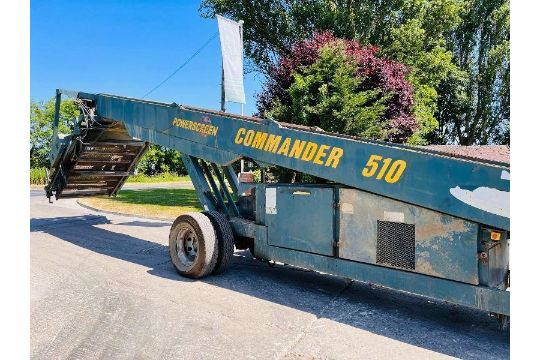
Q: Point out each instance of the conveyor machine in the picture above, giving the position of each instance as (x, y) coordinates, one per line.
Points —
(407, 218)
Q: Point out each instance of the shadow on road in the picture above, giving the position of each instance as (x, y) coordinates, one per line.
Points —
(440, 327)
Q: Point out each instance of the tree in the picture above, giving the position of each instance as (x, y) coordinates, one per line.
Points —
(327, 95)
(41, 121)
(475, 108)
(159, 159)
(342, 87)
(412, 32)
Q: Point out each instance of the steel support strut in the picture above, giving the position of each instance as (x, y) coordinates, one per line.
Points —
(217, 194)
(225, 190)
(196, 174)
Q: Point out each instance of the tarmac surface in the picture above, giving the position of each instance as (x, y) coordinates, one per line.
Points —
(103, 287)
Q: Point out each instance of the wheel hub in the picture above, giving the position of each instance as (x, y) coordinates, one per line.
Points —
(191, 245)
(187, 245)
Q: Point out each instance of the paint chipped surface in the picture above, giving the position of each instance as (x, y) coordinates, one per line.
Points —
(435, 226)
(445, 246)
(425, 267)
(488, 199)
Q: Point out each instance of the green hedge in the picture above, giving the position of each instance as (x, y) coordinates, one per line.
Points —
(37, 176)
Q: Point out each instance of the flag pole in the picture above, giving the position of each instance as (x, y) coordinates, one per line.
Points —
(241, 23)
(222, 88)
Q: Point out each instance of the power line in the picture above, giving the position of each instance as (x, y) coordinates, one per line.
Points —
(183, 64)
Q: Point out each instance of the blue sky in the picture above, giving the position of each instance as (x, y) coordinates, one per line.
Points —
(126, 48)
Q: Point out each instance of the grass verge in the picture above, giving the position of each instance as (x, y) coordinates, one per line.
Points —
(157, 203)
(160, 178)
(37, 177)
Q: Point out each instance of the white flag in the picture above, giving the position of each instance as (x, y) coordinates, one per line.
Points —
(233, 60)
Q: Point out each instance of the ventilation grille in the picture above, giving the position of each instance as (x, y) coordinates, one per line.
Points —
(396, 244)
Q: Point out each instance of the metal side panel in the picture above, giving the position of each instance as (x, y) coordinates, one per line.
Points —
(300, 218)
(377, 230)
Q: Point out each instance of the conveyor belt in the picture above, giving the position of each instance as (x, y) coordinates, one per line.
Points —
(89, 168)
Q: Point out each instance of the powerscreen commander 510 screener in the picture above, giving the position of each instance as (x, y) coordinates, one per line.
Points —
(411, 219)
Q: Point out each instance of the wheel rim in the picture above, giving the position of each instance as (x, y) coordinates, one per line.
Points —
(187, 245)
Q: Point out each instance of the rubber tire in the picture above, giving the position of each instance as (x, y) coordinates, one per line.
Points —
(207, 255)
(225, 238)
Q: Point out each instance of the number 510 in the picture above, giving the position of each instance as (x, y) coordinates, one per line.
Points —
(391, 170)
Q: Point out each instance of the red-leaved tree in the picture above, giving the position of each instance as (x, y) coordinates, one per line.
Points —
(373, 72)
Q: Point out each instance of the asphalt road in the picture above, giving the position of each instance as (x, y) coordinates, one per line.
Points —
(102, 287)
